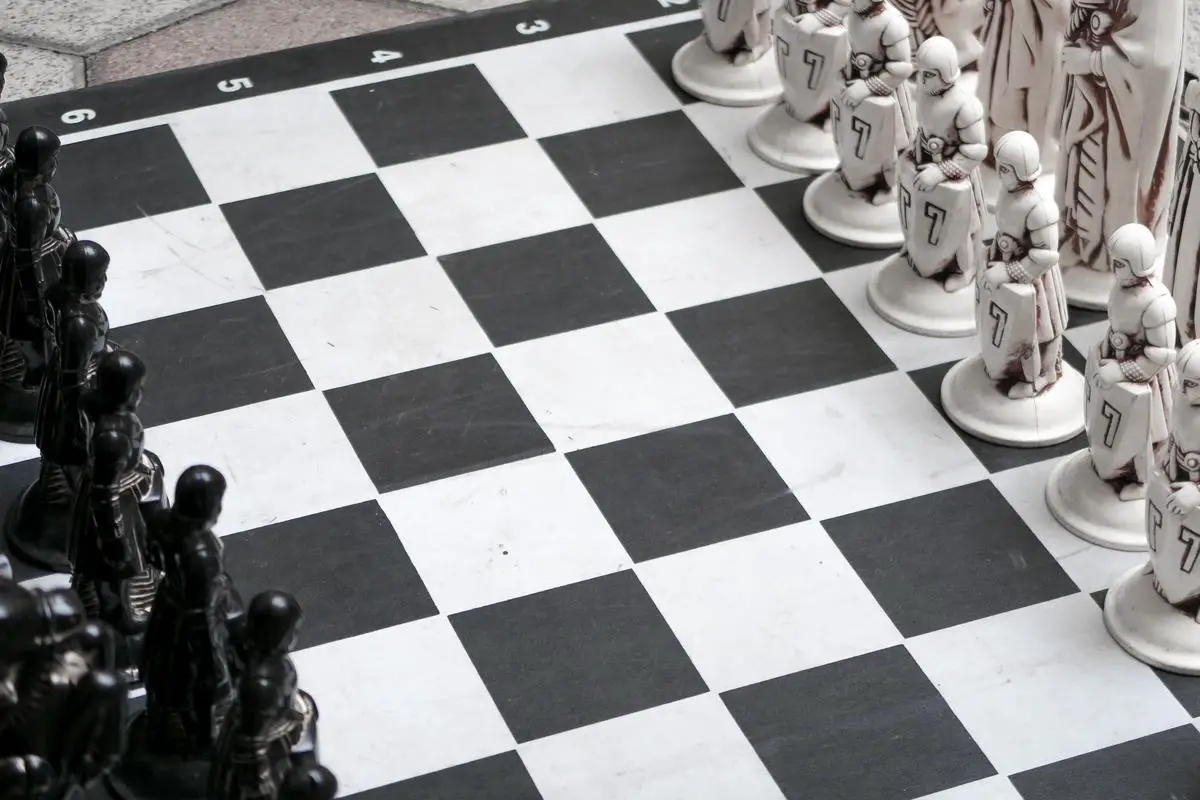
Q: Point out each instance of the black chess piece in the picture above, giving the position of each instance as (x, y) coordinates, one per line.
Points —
(186, 652)
(108, 529)
(21, 335)
(311, 782)
(6, 151)
(38, 524)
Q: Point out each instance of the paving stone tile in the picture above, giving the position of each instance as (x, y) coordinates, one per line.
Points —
(33, 71)
(471, 5)
(1192, 56)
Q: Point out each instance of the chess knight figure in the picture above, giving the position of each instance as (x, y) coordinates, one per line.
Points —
(1123, 61)
(730, 63)
(1098, 492)
(1152, 610)
(811, 52)
(927, 287)
(1019, 392)
(873, 121)
(1181, 268)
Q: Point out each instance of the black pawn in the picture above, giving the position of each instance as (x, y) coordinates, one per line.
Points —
(21, 347)
(313, 782)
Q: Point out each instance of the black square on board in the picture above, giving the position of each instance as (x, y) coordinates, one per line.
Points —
(432, 114)
(995, 457)
(659, 46)
(872, 726)
(498, 777)
(544, 285)
(640, 163)
(125, 176)
(786, 201)
(1162, 766)
(947, 558)
(213, 359)
(574, 655)
(347, 568)
(321, 231)
(780, 342)
(436, 422)
(14, 480)
(687, 487)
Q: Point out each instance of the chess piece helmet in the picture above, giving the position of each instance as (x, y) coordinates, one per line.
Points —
(1018, 159)
(85, 268)
(36, 154)
(20, 625)
(937, 65)
(119, 383)
(1187, 364)
(308, 782)
(198, 494)
(1132, 251)
(62, 614)
(272, 622)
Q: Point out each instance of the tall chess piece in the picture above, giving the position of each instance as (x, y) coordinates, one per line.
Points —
(811, 51)
(39, 523)
(927, 288)
(730, 64)
(1151, 610)
(873, 121)
(1099, 492)
(1181, 267)
(1019, 392)
(1020, 78)
(1123, 61)
(955, 20)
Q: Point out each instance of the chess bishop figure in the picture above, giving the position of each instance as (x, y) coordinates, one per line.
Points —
(1123, 62)
(1152, 610)
(873, 121)
(928, 287)
(1099, 492)
(1018, 391)
(1020, 78)
(811, 51)
(730, 63)
(1181, 267)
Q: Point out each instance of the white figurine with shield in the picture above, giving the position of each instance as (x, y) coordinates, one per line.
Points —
(1152, 610)
(812, 51)
(1099, 492)
(873, 121)
(730, 63)
(1019, 391)
(928, 287)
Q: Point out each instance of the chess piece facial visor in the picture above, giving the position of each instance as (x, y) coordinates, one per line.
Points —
(1133, 252)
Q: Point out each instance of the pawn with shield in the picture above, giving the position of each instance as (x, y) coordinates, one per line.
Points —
(730, 62)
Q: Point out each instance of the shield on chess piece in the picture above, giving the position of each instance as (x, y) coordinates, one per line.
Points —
(1117, 419)
(865, 135)
(725, 20)
(1006, 317)
(1174, 542)
(936, 222)
(810, 64)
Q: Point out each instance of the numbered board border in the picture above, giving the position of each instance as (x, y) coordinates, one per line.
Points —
(211, 84)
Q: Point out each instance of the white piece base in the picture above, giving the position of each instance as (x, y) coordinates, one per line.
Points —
(1149, 628)
(1087, 506)
(974, 404)
(1087, 288)
(916, 304)
(840, 214)
(992, 187)
(704, 73)
(783, 141)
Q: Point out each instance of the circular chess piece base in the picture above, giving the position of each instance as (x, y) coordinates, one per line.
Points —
(920, 305)
(974, 403)
(992, 188)
(848, 217)
(1149, 628)
(141, 775)
(18, 414)
(1088, 288)
(1088, 506)
(704, 73)
(37, 533)
(783, 141)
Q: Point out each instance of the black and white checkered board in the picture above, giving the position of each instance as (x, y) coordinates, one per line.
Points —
(596, 475)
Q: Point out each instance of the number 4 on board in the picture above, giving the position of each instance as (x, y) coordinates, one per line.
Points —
(384, 56)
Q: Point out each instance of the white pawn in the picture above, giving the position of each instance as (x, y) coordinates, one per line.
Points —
(811, 51)
(1152, 610)
(1099, 492)
(730, 63)
(927, 288)
(1019, 392)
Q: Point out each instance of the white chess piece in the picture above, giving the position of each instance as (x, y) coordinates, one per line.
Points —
(872, 122)
(927, 288)
(1181, 267)
(1151, 610)
(811, 51)
(955, 20)
(1019, 74)
(730, 64)
(1099, 492)
(1123, 66)
(1019, 391)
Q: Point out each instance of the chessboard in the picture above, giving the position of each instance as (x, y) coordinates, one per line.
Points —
(596, 475)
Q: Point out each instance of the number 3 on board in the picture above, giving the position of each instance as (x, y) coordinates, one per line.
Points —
(384, 56)
(530, 28)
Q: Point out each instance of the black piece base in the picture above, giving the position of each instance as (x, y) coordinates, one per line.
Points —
(143, 776)
(18, 414)
(39, 534)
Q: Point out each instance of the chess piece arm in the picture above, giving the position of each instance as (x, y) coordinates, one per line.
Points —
(93, 734)
(1040, 258)
(30, 218)
(112, 456)
(897, 49)
(973, 146)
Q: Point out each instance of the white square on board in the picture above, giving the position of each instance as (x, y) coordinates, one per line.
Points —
(726, 129)
(995, 788)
